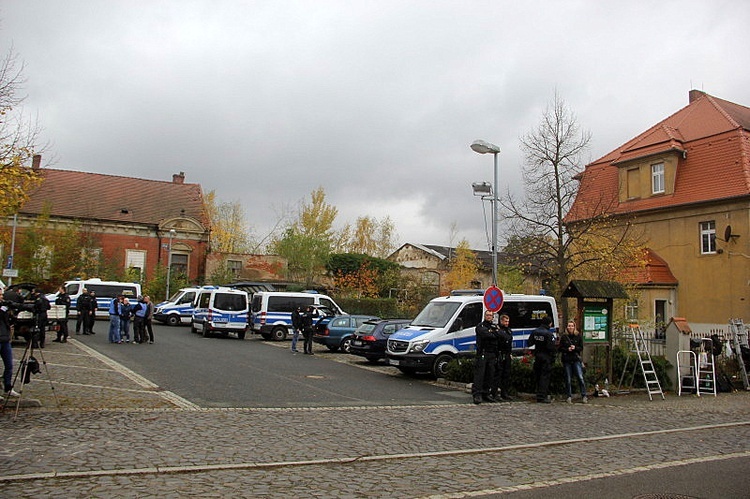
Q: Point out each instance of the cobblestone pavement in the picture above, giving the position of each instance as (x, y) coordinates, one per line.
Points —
(118, 435)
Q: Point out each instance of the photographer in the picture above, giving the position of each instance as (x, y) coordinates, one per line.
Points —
(6, 349)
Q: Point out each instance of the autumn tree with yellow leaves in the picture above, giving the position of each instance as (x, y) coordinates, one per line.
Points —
(463, 267)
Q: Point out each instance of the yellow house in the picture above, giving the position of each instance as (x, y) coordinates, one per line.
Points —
(685, 184)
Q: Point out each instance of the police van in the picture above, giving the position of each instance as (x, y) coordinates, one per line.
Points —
(178, 309)
(103, 290)
(445, 329)
(220, 310)
(271, 312)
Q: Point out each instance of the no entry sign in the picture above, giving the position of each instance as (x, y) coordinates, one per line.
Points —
(493, 299)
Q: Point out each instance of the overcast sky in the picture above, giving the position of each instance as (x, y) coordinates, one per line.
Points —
(376, 101)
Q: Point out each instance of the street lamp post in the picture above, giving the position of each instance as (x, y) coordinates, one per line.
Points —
(484, 147)
(169, 261)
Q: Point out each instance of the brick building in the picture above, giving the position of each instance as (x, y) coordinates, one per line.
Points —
(131, 222)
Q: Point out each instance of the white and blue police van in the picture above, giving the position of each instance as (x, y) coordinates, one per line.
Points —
(271, 312)
(445, 329)
(178, 309)
(220, 310)
(104, 291)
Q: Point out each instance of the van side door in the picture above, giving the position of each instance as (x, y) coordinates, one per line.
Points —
(464, 326)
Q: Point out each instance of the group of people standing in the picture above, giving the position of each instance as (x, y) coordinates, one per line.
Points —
(304, 322)
(493, 359)
(122, 312)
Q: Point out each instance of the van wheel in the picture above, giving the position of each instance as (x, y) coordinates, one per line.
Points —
(206, 333)
(241, 335)
(278, 333)
(346, 345)
(173, 320)
(192, 328)
(440, 367)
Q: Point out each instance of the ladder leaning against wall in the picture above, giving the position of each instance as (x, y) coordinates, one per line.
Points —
(653, 386)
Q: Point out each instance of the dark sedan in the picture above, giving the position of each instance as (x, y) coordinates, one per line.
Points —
(369, 340)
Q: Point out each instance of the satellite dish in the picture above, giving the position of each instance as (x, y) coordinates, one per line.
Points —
(728, 236)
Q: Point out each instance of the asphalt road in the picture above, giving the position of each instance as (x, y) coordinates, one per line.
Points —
(227, 372)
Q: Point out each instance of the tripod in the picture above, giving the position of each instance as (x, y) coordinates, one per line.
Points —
(27, 366)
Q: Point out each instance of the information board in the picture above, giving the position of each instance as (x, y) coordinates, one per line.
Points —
(595, 323)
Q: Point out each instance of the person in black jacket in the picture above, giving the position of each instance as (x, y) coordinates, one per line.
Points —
(63, 298)
(571, 347)
(41, 305)
(485, 362)
(6, 349)
(502, 370)
(543, 341)
(296, 326)
(83, 307)
(309, 319)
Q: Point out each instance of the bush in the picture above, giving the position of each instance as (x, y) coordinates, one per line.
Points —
(387, 308)
(620, 357)
(461, 370)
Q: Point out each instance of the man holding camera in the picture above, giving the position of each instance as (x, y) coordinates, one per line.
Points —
(6, 349)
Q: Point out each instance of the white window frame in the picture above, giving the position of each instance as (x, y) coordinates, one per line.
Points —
(708, 237)
(657, 178)
(631, 310)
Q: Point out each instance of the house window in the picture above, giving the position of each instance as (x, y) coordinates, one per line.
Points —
(708, 237)
(179, 263)
(135, 262)
(657, 178)
(631, 310)
(235, 267)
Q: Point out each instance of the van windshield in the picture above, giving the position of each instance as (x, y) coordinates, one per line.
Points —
(436, 314)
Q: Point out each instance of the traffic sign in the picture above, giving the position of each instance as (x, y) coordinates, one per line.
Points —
(10, 272)
(493, 299)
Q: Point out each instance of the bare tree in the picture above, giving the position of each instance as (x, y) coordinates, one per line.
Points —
(18, 139)
(553, 153)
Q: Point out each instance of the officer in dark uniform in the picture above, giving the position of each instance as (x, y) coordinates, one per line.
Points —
(502, 371)
(41, 305)
(543, 341)
(63, 298)
(309, 319)
(485, 362)
(83, 306)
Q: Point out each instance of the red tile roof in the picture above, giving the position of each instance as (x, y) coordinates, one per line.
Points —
(715, 136)
(655, 271)
(82, 195)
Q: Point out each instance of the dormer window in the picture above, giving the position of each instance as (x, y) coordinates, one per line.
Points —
(657, 178)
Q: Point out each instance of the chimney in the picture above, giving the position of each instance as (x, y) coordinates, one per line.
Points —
(695, 95)
(36, 161)
(178, 178)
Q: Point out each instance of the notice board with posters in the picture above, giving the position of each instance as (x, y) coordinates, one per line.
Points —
(596, 323)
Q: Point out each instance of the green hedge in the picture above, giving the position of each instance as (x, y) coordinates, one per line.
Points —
(522, 375)
(387, 308)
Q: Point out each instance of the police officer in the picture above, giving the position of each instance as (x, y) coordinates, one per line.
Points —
(485, 362)
(543, 341)
(63, 298)
(41, 305)
(83, 306)
(502, 371)
(309, 319)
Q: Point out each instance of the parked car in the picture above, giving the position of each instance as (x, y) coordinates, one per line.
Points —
(337, 333)
(370, 339)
